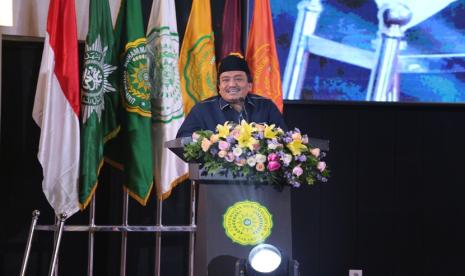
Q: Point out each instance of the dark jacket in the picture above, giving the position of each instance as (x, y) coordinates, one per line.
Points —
(207, 114)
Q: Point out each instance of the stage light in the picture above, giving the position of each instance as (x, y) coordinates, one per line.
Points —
(265, 258)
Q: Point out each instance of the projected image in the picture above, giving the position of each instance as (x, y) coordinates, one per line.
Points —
(431, 61)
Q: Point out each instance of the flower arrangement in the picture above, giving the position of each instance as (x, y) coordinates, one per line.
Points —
(259, 151)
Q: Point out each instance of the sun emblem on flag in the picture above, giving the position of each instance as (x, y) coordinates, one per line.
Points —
(136, 79)
(163, 52)
(140, 77)
(95, 80)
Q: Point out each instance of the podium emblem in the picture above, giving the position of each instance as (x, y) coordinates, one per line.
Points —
(247, 222)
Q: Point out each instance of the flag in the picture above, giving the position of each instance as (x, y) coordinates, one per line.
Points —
(261, 55)
(99, 97)
(197, 64)
(56, 109)
(133, 144)
(167, 107)
(231, 28)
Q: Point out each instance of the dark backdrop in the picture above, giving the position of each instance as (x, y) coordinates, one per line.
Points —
(393, 205)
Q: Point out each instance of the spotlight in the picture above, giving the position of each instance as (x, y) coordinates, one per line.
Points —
(266, 260)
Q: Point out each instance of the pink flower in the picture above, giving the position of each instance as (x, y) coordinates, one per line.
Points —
(315, 152)
(223, 145)
(260, 167)
(260, 127)
(297, 136)
(205, 144)
(273, 157)
(321, 166)
(230, 157)
(235, 133)
(273, 166)
(297, 171)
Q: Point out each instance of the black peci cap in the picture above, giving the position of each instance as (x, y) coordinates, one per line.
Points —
(233, 62)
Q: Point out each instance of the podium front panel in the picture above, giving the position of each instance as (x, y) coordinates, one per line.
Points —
(233, 218)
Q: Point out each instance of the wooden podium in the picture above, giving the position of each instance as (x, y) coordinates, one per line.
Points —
(234, 215)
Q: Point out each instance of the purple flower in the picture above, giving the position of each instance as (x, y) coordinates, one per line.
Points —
(295, 184)
(287, 140)
(302, 158)
(213, 151)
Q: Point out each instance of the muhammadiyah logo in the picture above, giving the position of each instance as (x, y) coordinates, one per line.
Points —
(95, 79)
(136, 78)
(162, 52)
(247, 223)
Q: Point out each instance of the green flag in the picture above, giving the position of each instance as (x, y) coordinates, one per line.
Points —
(134, 142)
(99, 97)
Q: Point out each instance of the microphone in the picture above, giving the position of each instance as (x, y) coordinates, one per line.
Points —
(243, 115)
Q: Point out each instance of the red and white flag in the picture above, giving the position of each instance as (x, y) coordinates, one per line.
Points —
(56, 108)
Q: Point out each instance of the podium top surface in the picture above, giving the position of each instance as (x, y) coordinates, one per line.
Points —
(177, 146)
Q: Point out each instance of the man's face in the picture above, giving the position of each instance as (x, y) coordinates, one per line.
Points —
(234, 85)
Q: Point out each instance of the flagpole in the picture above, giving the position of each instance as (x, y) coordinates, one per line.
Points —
(90, 254)
(55, 238)
(246, 19)
(158, 237)
(124, 234)
(35, 217)
(192, 233)
(56, 248)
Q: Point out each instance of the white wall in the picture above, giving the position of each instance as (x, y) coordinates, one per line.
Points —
(30, 17)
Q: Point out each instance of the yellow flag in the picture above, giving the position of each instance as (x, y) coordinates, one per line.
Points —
(197, 65)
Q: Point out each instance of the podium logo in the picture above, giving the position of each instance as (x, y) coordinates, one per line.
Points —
(247, 223)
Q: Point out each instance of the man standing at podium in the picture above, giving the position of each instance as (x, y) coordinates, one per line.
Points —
(233, 104)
